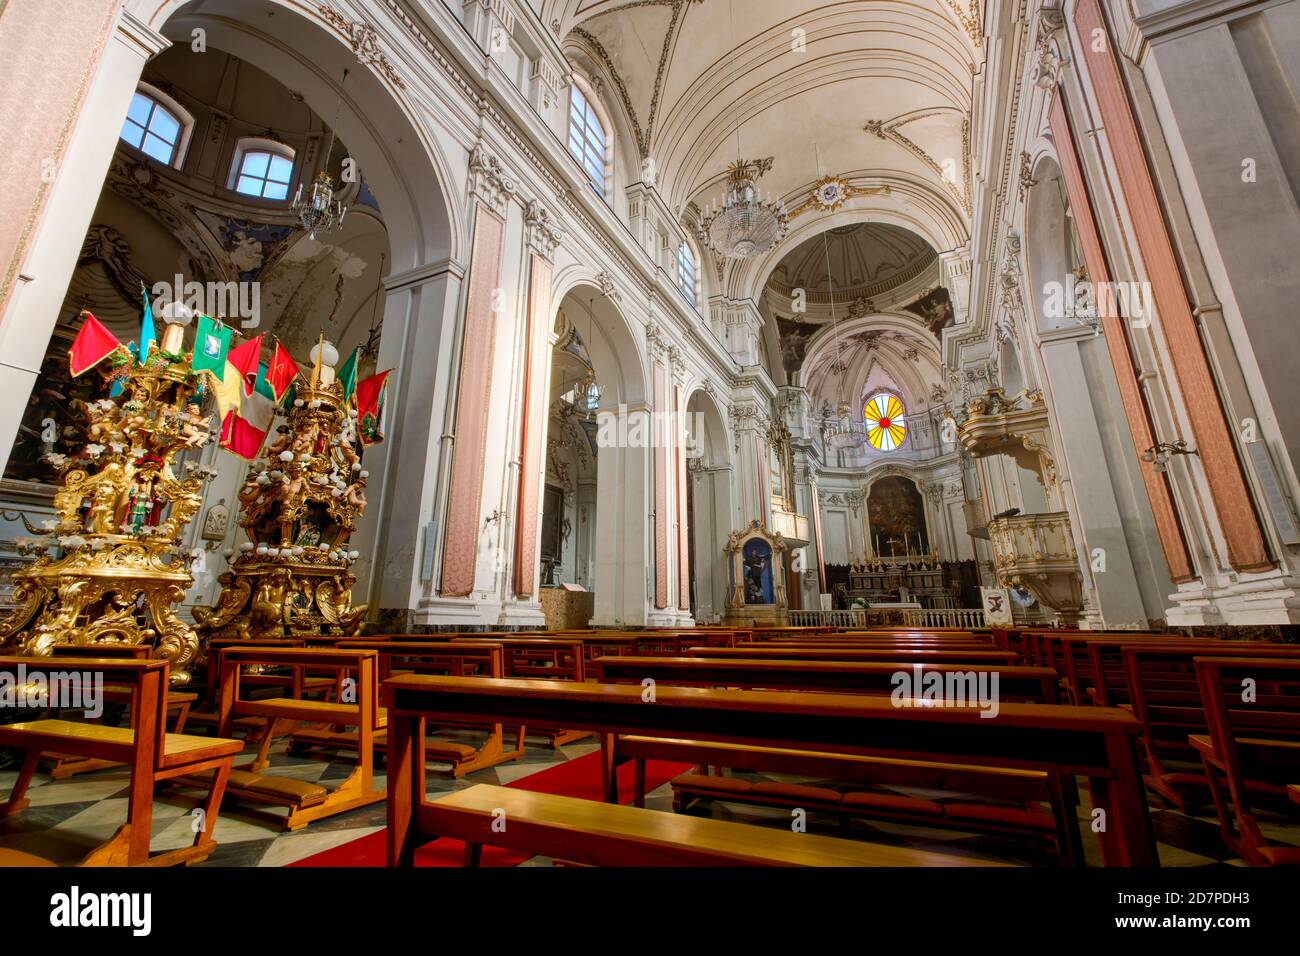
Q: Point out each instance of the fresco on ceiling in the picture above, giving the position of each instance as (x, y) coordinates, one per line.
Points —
(897, 516)
(794, 337)
(935, 309)
(251, 246)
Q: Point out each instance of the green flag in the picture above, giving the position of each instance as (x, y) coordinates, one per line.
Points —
(347, 376)
(211, 344)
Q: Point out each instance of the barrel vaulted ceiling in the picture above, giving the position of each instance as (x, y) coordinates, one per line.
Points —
(877, 92)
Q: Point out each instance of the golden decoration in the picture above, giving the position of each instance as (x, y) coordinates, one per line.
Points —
(121, 512)
(300, 501)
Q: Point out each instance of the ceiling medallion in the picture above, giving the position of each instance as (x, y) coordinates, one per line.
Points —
(746, 225)
(829, 193)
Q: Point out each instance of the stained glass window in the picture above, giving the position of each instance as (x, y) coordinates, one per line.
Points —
(886, 423)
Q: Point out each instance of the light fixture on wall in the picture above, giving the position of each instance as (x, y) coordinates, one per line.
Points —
(1159, 454)
(319, 211)
(1081, 307)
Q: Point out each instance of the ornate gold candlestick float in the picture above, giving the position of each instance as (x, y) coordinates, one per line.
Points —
(122, 508)
(300, 502)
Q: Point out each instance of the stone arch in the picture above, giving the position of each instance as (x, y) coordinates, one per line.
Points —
(396, 151)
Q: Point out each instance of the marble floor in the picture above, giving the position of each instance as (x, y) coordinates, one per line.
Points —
(67, 818)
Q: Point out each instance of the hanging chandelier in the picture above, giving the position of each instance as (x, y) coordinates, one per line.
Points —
(588, 390)
(745, 225)
(319, 211)
(846, 433)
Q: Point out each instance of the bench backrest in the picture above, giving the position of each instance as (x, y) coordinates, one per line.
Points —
(891, 654)
(548, 658)
(1165, 690)
(433, 657)
(1253, 709)
(363, 663)
(147, 679)
(1106, 662)
(1026, 684)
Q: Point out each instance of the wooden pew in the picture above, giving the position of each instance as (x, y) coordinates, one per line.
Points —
(1030, 789)
(1110, 686)
(599, 834)
(1075, 665)
(152, 754)
(548, 659)
(306, 802)
(62, 766)
(207, 713)
(462, 659)
(1098, 743)
(1166, 697)
(890, 655)
(1251, 746)
(1027, 684)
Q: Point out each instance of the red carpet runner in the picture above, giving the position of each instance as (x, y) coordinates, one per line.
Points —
(573, 778)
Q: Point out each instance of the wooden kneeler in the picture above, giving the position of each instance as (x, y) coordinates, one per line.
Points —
(306, 802)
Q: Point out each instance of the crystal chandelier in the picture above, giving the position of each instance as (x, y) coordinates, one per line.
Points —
(745, 225)
(587, 392)
(846, 433)
(319, 211)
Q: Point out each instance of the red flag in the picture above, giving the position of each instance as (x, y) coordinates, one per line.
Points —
(244, 359)
(239, 436)
(370, 408)
(281, 372)
(93, 344)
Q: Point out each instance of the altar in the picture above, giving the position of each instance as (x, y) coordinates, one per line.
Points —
(914, 580)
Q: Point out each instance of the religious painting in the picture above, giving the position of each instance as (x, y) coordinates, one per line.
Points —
(552, 516)
(935, 309)
(896, 512)
(794, 337)
(757, 562)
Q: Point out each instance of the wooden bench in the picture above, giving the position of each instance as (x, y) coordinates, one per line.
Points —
(62, 766)
(548, 659)
(1255, 741)
(207, 714)
(306, 802)
(598, 834)
(461, 659)
(889, 655)
(1075, 663)
(1098, 743)
(1044, 805)
(152, 754)
(1027, 684)
(1105, 654)
(1165, 696)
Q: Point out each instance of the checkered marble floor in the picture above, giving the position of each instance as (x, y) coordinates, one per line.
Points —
(67, 818)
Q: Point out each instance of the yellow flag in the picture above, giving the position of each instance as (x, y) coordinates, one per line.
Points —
(227, 391)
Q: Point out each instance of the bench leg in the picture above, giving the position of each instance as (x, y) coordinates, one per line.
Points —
(638, 798)
(212, 806)
(473, 854)
(261, 762)
(17, 801)
(1127, 839)
(609, 768)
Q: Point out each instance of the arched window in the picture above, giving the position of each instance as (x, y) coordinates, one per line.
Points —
(588, 141)
(262, 168)
(886, 420)
(686, 273)
(157, 126)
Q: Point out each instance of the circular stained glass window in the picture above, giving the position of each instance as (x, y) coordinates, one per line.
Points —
(886, 424)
